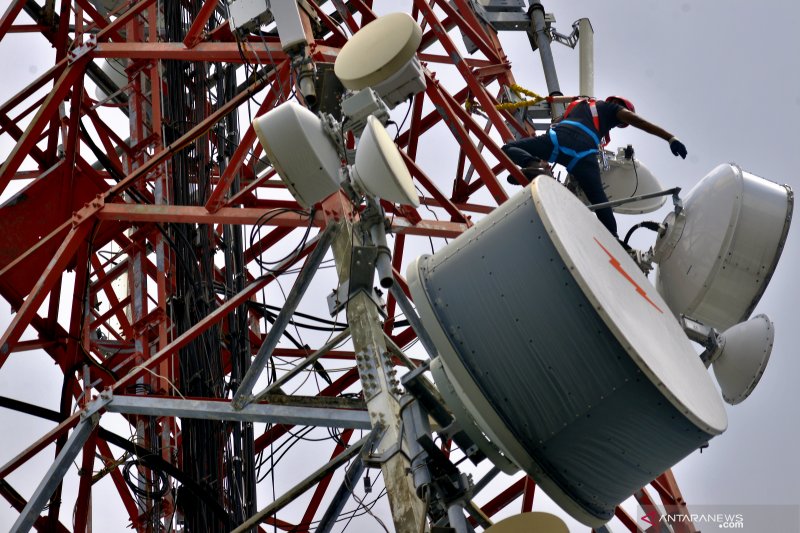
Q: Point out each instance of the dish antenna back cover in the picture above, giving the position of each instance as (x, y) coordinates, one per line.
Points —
(715, 266)
(377, 51)
(562, 354)
(301, 153)
(379, 167)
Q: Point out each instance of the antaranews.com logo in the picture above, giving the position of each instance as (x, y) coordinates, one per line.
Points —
(719, 520)
(710, 518)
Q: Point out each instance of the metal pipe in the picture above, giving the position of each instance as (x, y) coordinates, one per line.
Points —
(54, 475)
(415, 425)
(621, 201)
(383, 262)
(414, 320)
(538, 32)
(455, 513)
(303, 486)
(304, 364)
(586, 53)
(351, 477)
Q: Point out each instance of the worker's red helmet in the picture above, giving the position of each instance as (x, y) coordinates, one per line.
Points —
(624, 102)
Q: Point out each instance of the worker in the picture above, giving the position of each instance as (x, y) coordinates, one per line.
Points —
(573, 140)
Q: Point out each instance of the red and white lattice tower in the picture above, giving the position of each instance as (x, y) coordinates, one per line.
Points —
(143, 239)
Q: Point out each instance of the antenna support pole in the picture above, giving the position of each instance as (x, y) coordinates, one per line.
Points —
(381, 392)
(538, 33)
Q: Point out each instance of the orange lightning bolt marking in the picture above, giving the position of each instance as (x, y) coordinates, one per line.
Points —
(615, 263)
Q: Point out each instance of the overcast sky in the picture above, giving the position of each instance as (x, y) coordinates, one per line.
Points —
(723, 77)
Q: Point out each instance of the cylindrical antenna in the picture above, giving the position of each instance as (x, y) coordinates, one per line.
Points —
(586, 52)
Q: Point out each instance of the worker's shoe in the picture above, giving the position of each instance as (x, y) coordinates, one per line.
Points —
(532, 171)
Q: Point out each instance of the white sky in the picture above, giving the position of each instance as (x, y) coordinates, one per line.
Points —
(723, 77)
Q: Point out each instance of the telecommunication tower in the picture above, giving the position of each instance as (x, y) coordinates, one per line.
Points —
(200, 194)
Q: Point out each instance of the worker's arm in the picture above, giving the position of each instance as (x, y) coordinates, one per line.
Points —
(629, 117)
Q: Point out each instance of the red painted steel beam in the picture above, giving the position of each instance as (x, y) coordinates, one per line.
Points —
(187, 138)
(347, 17)
(254, 52)
(195, 33)
(40, 444)
(46, 77)
(16, 133)
(22, 319)
(447, 60)
(199, 215)
(427, 184)
(483, 137)
(10, 15)
(232, 215)
(248, 191)
(430, 120)
(470, 27)
(119, 482)
(192, 333)
(449, 107)
(627, 520)
(504, 498)
(475, 86)
(322, 486)
(338, 37)
(98, 20)
(50, 106)
(123, 19)
(18, 502)
(85, 484)
(527, 495)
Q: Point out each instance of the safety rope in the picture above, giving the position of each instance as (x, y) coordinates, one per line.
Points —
(473, 107)
(520, 91)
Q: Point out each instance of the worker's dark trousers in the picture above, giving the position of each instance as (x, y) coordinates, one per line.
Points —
(526, 152)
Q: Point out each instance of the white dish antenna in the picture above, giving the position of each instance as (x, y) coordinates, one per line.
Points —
(377, 51)
(717, 257)
(301, 152)
(627, 178)
(379, 169)
(306, 159)
(382, 55)
(744, 355)
(536, 522)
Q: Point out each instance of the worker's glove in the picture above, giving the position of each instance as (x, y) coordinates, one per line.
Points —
(677, 147)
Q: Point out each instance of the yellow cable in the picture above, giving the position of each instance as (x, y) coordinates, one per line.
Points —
(519, 91)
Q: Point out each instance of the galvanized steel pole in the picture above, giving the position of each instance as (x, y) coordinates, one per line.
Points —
(380, 392)
(539, 34)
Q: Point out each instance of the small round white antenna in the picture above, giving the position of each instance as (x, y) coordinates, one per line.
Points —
(744, 357)
(536, 522)
(379, 169)
(627, 178)
(300, 151)
(377, 51)
(717, 257)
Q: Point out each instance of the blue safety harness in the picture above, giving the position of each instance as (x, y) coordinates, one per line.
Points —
(576, 156)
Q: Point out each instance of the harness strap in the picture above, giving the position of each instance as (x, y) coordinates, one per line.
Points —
(595, 116)
(583, 127)
(575, 156)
